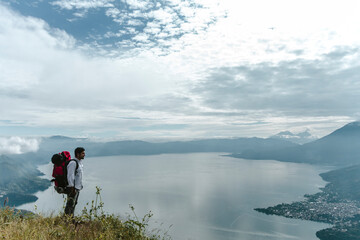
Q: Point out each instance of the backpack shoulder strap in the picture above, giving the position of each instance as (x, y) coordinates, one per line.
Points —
(77, 164)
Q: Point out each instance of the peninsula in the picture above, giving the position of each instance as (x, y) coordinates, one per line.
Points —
(338, 204)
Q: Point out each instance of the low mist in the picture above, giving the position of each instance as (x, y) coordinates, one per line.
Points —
(18, 145)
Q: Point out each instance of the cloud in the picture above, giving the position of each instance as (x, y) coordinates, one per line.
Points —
(45, 81)
(139, 4)
(326, 87)
(21, 61)
(134, 20)
(48, 61)
(82, 4)
(112, 12)
(18, 145)
(160, 127)
(220, 68)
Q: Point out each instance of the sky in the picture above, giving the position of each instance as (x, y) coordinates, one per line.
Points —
(176, 70)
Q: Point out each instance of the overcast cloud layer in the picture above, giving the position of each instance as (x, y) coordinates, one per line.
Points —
(177, 69)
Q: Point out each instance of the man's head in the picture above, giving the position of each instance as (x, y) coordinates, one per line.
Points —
(80, 153)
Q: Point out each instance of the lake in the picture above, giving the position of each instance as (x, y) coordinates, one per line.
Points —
(205, 196)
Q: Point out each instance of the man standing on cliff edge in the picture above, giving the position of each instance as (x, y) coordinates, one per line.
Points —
(74, 177)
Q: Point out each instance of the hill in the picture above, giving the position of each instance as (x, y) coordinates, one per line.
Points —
(341, 147)
(345, 182)
(205, 145)
(93, 223)
(51, 145)
(19, 180)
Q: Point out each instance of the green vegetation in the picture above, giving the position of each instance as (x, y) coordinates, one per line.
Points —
(19, 180)
(93, 223)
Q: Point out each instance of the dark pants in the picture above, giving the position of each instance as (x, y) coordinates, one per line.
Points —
(71, 202)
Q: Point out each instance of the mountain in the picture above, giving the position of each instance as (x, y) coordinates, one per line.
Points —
(299, 138)
(206, 145)
(19, 180)
(341, 147)
(345, 182)
(52, 145)
(55, 144)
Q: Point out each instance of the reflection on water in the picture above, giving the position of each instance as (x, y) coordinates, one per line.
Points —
(203, 195)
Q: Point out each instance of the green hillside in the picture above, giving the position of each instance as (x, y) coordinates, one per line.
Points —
(93, 223)
(19, 180)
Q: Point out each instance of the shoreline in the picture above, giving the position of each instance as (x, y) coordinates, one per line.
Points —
(327, 206)
(24, 190)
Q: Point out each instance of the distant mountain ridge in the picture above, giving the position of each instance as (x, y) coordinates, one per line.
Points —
(206, 145)
(299, 138)
(18, 173)
(51, 145)
(341, 147)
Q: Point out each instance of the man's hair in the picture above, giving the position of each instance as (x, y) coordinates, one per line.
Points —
(79, 150)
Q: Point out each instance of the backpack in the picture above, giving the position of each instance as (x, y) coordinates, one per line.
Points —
(59, 174)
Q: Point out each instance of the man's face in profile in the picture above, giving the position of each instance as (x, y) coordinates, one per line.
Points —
(81, 155)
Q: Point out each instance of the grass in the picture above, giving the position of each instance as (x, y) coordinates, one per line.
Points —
(93, 223)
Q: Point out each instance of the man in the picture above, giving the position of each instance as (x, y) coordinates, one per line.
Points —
(74, 177)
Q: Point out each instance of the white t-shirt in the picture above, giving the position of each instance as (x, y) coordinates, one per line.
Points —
(75, 176)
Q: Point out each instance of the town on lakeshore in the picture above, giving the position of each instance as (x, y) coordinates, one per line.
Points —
(335, 204)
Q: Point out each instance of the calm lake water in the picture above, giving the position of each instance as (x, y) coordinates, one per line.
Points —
(204, 196)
